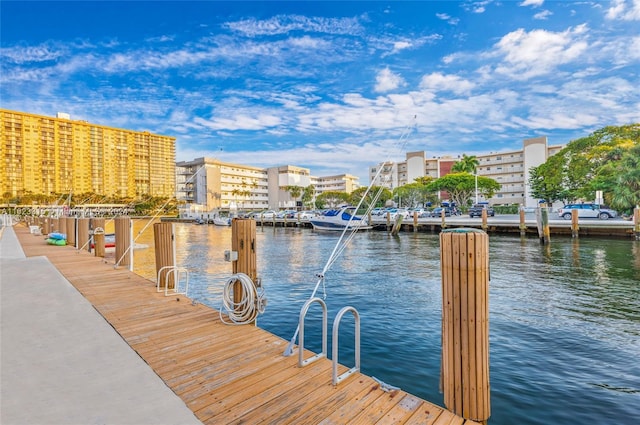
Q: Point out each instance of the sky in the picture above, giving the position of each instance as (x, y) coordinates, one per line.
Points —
(335, 87)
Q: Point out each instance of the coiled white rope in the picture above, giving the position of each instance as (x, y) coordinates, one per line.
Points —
(246, 310)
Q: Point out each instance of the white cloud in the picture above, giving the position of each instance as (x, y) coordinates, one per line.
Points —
(387, 81)
(22, 54)
(534, 3)
(448, 18)
(624, 10)
(283, 24)
(440, 82)
(539, 52)
(542, 15)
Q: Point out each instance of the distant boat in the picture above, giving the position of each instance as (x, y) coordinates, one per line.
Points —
(199, 221)
(222, 221)
(338, 220)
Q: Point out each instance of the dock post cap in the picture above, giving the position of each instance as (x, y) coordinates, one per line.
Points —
(463, 230)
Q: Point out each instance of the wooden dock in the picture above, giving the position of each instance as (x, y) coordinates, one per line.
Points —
(227, 374)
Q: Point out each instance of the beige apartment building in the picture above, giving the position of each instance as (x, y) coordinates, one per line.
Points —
(47, 155)
(511, 169)
(207, 185)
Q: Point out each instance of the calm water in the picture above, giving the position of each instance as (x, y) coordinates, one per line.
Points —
(564, 319)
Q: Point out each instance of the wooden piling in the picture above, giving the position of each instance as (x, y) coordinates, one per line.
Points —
(415, 221)
(45, 224)
(397, 225)
(98, 236)
(523, 225)
(542, 220)
(483, 214)
(123, 241)
(465, 322)
(636, 221)
(82, 238)
(243, 241)
(575, 228)
(71, 231)
(163, 238)
(62, 225)
(442, 216)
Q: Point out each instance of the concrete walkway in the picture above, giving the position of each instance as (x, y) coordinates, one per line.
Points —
(61, 362)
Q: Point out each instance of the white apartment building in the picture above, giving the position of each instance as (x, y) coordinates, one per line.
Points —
(207, 185)
(510, 169)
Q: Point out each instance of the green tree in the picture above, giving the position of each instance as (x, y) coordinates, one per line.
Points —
(377, 196)
(461, 187)
(294, 191)
(620, 181)
(308, 196)
(589, 164)
(331, 199)
(468, 164)
(412, 194)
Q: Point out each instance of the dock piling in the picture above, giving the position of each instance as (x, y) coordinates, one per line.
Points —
(465, 322)
(163, 239)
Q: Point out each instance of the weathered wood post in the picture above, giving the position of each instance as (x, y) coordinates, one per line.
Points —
(523, 225)
(124, 248)
(484, 219)
(465, 322)
(62, 226)
(243, 241)
(542, 220)
(388, 221)
(98, 236)
(71, 231)
(46, 225)
(415, 221)
(442, 216)
(164, 240)
(54, 225)
(397, 225)
(83, 241)
(575, 228)
(636, 220)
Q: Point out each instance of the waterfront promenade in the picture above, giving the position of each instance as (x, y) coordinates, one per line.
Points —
(63, 363)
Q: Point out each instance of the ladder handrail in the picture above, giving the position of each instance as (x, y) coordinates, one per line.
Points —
(334, 341)
(176, 271)
(303, 312)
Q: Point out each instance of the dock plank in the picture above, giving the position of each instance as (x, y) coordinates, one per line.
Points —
(226, 374)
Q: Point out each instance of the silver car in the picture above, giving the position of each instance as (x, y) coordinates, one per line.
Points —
(587, 211)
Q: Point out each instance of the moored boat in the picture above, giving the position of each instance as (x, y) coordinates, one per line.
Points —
(340, 219)
(222, 221)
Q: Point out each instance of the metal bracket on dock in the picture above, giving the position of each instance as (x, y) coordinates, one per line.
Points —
(334, 341)
(177, 273)
(303, 312)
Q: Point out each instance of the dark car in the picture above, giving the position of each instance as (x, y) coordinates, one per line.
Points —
(448, 212)
(476, 210)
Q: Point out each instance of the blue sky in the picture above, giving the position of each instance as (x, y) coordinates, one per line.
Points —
(332, 86)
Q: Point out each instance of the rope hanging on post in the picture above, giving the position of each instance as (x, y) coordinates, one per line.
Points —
(246, 310)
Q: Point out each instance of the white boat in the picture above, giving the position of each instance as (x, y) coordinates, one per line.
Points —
(222, 221)
(339, 220)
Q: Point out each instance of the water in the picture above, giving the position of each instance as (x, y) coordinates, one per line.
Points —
(564, 318)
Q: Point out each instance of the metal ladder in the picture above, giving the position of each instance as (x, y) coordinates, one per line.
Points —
(336, 379)
(177, 273)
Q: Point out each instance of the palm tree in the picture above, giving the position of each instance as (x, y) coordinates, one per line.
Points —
(468, 164)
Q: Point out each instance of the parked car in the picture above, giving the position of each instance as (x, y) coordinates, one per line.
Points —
(437, 212)
(587, 211)
(266, 215)
(476, 210)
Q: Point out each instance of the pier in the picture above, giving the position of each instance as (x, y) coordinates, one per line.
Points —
(497, 224)
(223, 374)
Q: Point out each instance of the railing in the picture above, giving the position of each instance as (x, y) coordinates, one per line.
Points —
(176, 272)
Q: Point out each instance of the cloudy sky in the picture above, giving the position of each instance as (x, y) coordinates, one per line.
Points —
(332, 86)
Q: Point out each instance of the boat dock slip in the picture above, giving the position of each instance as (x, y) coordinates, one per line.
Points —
(223, 374)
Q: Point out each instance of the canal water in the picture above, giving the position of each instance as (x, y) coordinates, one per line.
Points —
(564, 318)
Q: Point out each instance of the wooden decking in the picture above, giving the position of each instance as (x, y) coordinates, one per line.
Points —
(227, 374)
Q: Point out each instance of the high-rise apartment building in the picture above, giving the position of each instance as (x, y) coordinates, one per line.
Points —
(510, 169)
(45, 155)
